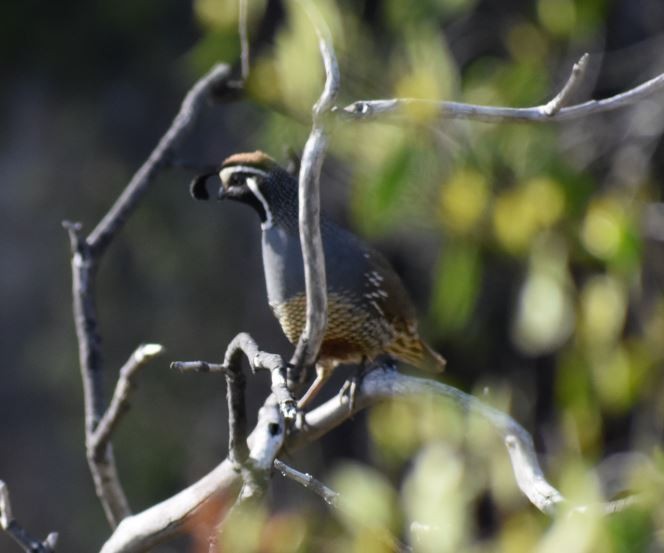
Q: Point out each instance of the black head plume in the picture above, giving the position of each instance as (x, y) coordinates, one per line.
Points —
(198, 186)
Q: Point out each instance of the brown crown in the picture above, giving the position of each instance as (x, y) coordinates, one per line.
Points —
(255, 159)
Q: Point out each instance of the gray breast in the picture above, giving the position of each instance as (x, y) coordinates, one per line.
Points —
(282, 263)
(354, 270)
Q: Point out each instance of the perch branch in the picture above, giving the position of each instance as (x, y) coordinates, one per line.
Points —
(19, 534)
(553, 111)
(315, 148)
(167, 518)
(378, 385)
(86, 256)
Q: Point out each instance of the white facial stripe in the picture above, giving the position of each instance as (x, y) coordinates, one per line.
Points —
(226, 172)
(253, 186)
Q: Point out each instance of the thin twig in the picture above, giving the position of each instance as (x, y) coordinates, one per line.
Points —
(19, 534)
(376, 109)
(334, 499)
(561, 99)
(244, 39)
(198, 367)
(309, 343)
(308, 481)
(120, 400)
(259, 360)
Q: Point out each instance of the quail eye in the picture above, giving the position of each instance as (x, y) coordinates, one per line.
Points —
(236, 180)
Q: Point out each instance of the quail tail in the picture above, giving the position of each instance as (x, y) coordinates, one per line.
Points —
(431, 360)
(418, 353)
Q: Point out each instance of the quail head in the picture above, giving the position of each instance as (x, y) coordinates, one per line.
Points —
(369, 310)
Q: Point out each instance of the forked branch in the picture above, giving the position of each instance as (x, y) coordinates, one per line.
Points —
(86, 257)
(555, 110)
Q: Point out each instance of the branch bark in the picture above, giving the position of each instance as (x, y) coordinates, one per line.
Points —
(367, 110)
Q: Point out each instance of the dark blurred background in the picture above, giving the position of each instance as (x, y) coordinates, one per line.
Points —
(534, 253)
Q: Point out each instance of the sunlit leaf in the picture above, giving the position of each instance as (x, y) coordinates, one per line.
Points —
(458, 278)
(369, 502)
(436, 498)
(463, 199)
(545, 314)
(557, 16)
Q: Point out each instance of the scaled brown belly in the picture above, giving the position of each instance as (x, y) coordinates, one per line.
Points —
(351, 333)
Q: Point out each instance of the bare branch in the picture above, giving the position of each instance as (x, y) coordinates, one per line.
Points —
(209, 85)
(244, 39)
(120, 401)
(86, 255)
(376, 109)
(19, 534)
(305, 479)
(379, 385)
(237, 410)
(141, 531)
(244, 344)
(561, 99)
(309, 206)
(101, 463)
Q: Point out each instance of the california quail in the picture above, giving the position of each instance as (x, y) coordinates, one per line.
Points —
(369, 311)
